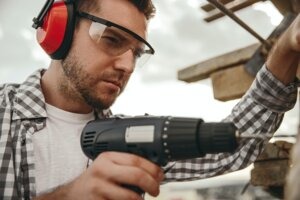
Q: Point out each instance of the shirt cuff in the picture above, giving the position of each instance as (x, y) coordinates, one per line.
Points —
(271, 93)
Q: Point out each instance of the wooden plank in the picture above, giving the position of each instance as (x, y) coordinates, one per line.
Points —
(203, 69)
(233, 6)
(208, 7)
(231, 83)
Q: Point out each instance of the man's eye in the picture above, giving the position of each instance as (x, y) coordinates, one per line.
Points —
(112, 40)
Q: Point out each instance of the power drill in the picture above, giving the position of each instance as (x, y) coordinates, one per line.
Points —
(158, 139)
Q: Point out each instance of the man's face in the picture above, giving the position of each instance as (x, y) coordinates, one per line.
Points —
(91, 74)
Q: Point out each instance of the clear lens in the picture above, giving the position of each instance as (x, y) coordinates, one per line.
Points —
(143, 59)
(116, 42)
(96, 31)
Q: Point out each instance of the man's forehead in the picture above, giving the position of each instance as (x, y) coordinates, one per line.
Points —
(123, 13)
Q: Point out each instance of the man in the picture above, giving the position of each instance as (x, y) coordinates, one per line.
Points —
(41, 119)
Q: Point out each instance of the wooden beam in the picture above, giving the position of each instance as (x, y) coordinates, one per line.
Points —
(204, 69)
(233, 6)
(283, 6)
(231, 83)
(208, 7)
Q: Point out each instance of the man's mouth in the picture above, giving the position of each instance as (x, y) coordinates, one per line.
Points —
(117, 84)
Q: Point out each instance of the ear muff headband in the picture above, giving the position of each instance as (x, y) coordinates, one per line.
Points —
(55, 29)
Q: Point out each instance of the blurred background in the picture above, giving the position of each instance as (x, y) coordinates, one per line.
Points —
(181, 38)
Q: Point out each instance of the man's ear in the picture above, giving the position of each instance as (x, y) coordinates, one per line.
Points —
(56, 32)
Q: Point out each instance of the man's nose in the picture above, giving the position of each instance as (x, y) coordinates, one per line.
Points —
(126, 62)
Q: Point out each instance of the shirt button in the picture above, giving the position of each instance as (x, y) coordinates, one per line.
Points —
(23, 142)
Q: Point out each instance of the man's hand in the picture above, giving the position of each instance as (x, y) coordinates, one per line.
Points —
(103, 180)
(284, 57)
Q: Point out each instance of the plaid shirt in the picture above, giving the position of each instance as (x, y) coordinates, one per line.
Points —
(22, 113)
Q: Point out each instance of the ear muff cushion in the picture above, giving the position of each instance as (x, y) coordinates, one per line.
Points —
(55, 36)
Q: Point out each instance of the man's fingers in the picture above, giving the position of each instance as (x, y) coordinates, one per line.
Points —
(128, 169)
(134, 176)
(133, 160)
(112, 191)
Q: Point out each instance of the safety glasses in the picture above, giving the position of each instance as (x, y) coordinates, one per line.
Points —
(115, 40)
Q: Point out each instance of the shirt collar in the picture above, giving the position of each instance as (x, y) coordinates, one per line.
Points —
(29, 101)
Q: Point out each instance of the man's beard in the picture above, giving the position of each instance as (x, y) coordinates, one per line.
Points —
(77, 84)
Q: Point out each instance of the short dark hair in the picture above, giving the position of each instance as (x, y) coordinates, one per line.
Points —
(144, 6)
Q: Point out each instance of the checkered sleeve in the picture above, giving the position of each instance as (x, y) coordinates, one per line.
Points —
(260, 111)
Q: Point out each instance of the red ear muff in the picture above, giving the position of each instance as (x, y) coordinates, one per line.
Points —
(56, 33)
